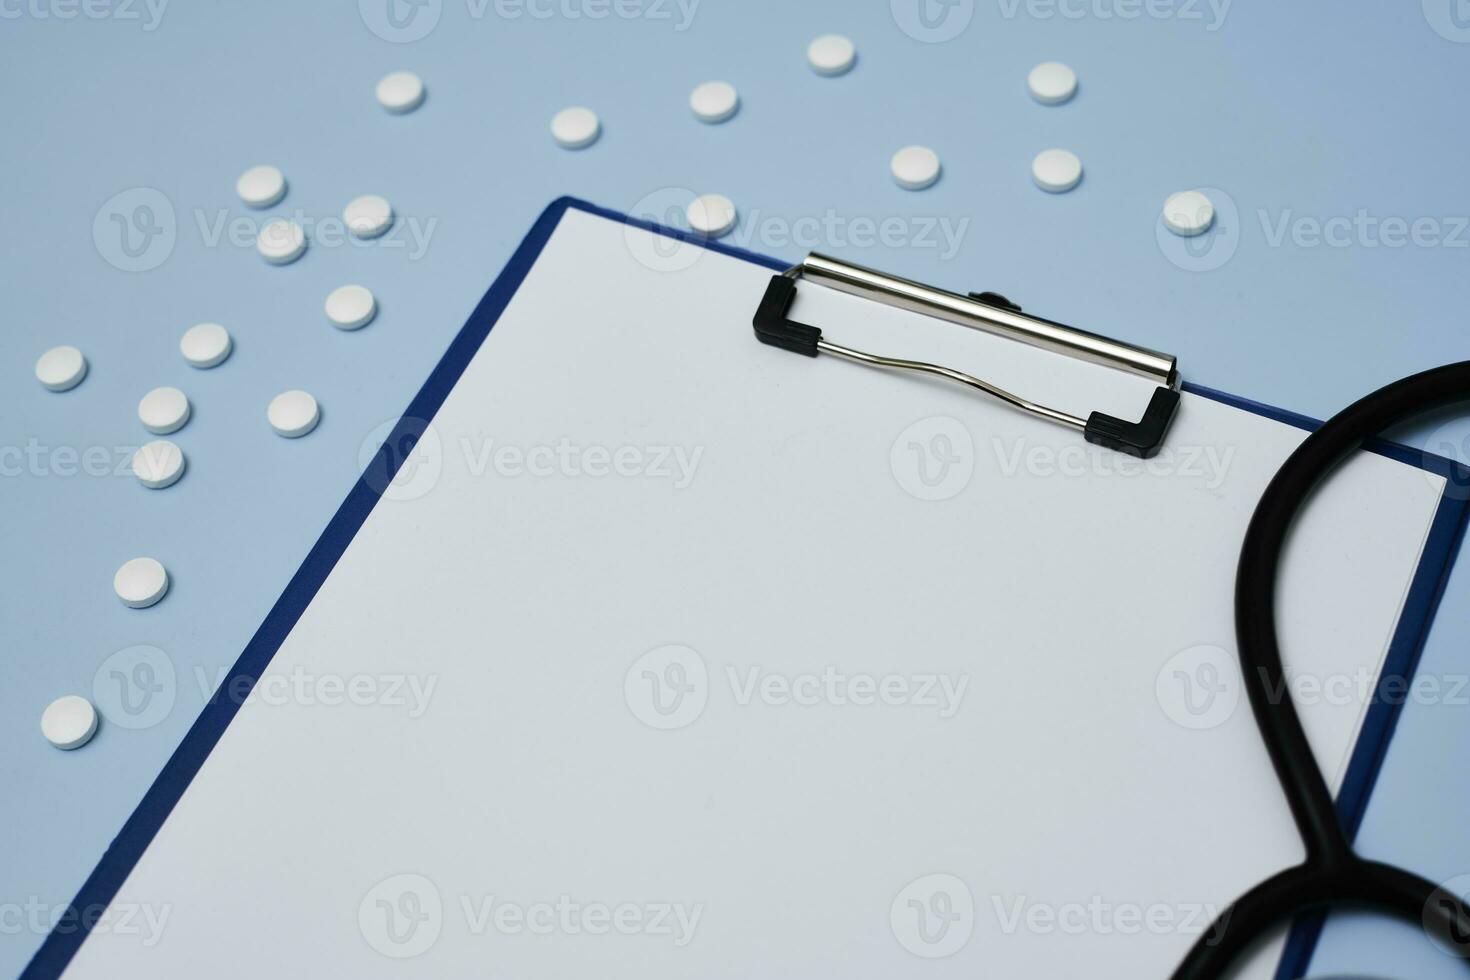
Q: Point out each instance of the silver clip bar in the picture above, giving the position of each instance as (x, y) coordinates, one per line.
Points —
(970, 312)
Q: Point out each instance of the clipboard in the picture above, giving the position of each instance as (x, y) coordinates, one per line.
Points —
(170, 829)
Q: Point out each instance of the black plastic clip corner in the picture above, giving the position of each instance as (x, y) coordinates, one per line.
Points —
(772, 326)
(1143, 438)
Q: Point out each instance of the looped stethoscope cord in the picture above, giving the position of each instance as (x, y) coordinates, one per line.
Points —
(1332, 874)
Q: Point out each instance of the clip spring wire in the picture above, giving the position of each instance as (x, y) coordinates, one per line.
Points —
(940, 371)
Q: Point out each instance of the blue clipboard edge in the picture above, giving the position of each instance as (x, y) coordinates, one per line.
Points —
(127, 848)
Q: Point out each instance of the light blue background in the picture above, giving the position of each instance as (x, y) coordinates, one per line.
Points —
(1291, 109)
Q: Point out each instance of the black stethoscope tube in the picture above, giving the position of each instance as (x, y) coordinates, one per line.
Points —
(1332, 874)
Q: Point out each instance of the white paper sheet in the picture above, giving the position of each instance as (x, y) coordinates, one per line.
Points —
(1042, 785)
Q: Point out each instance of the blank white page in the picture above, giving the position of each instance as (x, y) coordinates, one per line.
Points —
(769, 712)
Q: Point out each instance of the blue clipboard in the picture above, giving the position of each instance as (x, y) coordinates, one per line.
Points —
(127, 848)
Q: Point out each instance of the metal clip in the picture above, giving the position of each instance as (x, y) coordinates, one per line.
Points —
(985, 311)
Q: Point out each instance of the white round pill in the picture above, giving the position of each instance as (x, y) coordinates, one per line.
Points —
(61, 368)
(350, 307)
(400, 91)
(69, 722)
(293, 413)
(1188, 213)
(260, 187)
(1052, 83)
(575, 128)
(368, 216)
(714, 102)
(712, 215)
(1056, 170)
(281, 241)
(158, 464)
(915, 167)
(831, 54)
(205, 344)
(164, 410)
(141, 582)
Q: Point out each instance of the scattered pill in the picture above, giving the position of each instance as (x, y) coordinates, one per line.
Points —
(158, 464)
(368, 216)
(400, 92)
(293, 413)
(141, 582)
(1056, 171)
(1052, 83)
(575, 128)
(164, 410)
(831, 54)
(915, 167)
(61, 368)
(712, 215)
(350, 307)
(69, 722)
(205, 344)
(281, 241)
(714, 102)
(261, 187)
(1188, 213)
